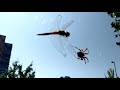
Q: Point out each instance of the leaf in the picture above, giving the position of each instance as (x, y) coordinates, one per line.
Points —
(116, 36)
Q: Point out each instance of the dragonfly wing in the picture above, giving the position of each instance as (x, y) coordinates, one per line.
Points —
(65, 26)
(69, 47)
(57, 40)
(57, 43)
(56, 23)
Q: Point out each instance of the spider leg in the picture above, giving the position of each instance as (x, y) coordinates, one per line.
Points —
(86, 53)
(76, 47)
(85, 49)
(84, 60)
(87, 59)
(81, 50)
(78, 58)
(81, 58)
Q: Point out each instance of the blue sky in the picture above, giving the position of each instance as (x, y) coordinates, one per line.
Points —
(90, 30)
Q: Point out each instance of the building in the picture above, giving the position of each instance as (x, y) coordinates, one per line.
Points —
(5, 53)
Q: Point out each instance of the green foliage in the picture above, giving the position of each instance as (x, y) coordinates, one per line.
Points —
(110, 73)
(114, 14)
(115, 24)
(17, 72)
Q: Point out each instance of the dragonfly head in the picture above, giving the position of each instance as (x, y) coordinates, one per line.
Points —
(67, 34)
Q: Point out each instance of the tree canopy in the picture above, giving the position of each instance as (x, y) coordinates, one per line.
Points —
(16, 71)
(115, 24)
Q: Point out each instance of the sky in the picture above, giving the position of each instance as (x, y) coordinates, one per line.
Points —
(90, 30)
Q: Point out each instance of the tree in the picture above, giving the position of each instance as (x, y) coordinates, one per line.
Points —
(17, 72)
(115, 24)
(65, 77)
(110, 73)
(114, 14)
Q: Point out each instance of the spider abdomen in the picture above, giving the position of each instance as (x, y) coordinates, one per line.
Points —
(80, 54)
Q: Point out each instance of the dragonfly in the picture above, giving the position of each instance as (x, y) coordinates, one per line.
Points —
(59, 35)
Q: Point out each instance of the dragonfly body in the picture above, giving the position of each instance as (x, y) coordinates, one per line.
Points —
(62, 33)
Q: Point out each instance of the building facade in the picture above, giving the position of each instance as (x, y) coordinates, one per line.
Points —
(5, 53)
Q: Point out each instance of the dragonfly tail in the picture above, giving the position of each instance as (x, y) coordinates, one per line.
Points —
(48, 33)
(45, 34)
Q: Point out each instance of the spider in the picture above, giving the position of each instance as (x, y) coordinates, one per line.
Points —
(81, 54)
